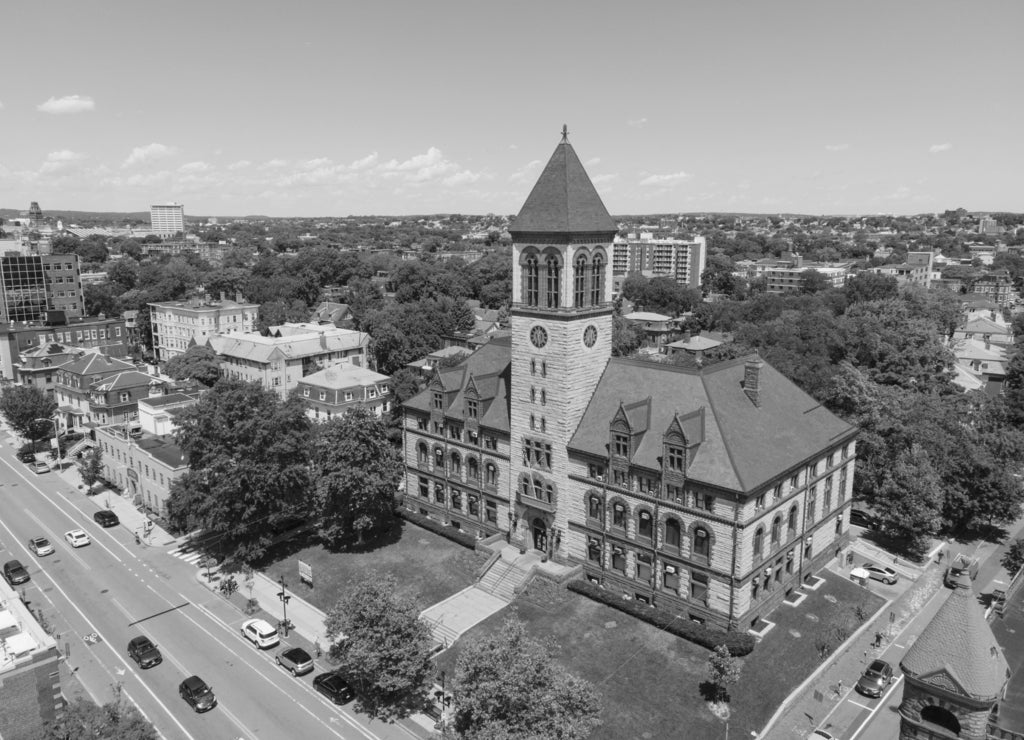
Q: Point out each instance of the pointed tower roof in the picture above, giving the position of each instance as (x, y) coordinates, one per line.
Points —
(564, 200)
(957, 651)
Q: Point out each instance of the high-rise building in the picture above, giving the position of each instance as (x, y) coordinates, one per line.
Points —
(167, 218)
(32, 284)
(643, 254)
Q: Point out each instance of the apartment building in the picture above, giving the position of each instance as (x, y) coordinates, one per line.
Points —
(177, 325)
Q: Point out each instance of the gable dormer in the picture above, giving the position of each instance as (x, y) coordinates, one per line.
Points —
(680, 442)
(620, 436)
(472, 408)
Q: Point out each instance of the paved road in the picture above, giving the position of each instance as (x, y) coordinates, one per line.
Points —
(118, 589)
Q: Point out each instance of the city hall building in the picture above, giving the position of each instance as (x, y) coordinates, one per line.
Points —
(714, 491)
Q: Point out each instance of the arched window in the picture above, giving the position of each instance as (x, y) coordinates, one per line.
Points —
(596, 280)
(579, 281)
(942, 717)
(439, 493)
(596, 509)
(422, 453)
(792, 520)
(438, 457)
(551, 291)
(776, 529)
(673, 534)
(645, 524)
(491, 475)
(543, 397)
(619, 513)
(759, 542)
(701, 543)
(456, 464)
(531, 281)
(473, 468)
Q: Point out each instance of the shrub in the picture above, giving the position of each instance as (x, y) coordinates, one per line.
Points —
(738, 643)
(455, 535)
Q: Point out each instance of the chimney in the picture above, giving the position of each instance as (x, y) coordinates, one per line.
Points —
(988, 341)
(752, 379)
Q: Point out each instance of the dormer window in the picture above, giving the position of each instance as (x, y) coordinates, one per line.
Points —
(438, 400)
(676, 457)
(620, 445)
(471, 408)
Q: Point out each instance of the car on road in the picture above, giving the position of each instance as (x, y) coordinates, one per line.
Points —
(106, 518)
(260, 633)
(881, 573)
(144, 652)
(197, 693)
(876, 677)
(26, 456)
(334, 687)
(15, 573)
(77, 538)
(861, 518)
(40, 546)
(39, 467)
(296, 660)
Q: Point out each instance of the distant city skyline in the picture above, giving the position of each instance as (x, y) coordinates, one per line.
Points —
(328, 109)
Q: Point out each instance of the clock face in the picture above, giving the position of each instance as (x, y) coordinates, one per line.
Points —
(590, 335)
(539, 336)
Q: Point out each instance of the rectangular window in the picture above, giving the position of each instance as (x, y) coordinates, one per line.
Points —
(619, 560)
(699, 586)
(831, 459)
(490, 443)
(439, 401)
(811, 503)
(474, 506)
(125, 397)
(456, 499)
(619, 515)
(594, 512)
(471, 408)
(305, 392)
(620, 444)
(455, 432)
(593, 550)
(421, 424)
(676, 459)
(675, 493)
(596, 471)
(620, 478)
(323, 395)
(348, 395)
(759, 502)
(491, 512)
(704, 501)
(794, 481)
(424, 487)
(643, 566)
(671, 578)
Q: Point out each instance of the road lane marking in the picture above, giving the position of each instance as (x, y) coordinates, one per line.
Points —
(881, 703)
(858, 704)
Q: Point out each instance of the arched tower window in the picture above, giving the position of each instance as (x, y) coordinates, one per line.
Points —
(596, 280)
(531, 280)
(551, 291)
(579, 281)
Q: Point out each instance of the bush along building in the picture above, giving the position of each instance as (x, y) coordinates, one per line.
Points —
(713, 491)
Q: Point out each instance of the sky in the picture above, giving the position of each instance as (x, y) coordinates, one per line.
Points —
(337, 108)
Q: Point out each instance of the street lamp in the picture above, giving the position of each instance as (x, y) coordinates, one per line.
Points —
(284, 597)
(56, 438)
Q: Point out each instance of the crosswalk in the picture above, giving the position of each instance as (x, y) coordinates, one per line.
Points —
(186, 553)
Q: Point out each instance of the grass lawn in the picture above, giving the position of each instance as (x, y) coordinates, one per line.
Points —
(425, 565)
(650, 680)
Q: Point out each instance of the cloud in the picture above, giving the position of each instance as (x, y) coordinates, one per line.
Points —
(672, 179)
(637, 122)
(148, 153)
(461, 178)
(62, 159)
(899, 193)
(592, 162)
(936, 148)
(273, 164)
(602, 179)
(523, 172)
(194, 167)
(361, 164)
(67, 104)
(239, 165)
(837, 147)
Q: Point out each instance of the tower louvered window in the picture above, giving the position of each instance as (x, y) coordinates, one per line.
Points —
(580, 282)
(596, 280)
(532, 280)
(553, 281)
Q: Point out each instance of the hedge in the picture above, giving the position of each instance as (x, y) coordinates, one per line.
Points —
(738, 643)
(455, 535)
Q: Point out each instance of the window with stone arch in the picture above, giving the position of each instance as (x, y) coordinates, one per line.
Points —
(596, 280)
(456, 464)
(644, 524)
(531, 281)
(595, 509)
(473, 468)
(491, 474)
(579, 281)
(793, 515)
(759, 543)
(422, 453)
(554, 268)
(701, 543)
(673, 533)
(776, 529)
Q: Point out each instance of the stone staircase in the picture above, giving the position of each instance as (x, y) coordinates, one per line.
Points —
(502, 578)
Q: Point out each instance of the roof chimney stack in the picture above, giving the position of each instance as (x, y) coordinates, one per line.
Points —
(752, 379)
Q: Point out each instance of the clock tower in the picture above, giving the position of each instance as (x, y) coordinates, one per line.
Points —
(561, 340)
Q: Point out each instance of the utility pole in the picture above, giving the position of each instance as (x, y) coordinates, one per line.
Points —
(284, 597)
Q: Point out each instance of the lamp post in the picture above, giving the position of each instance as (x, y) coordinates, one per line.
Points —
(284, 597)
(56, 438)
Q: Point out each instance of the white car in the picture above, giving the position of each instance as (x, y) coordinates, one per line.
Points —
(40, 546)
(77, 538)
(260, 633)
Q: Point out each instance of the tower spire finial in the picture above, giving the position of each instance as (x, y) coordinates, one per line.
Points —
(565, 133)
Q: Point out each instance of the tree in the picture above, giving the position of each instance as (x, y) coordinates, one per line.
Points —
(198, 362)
(356, 473)
(1013, 558)
(23, 406)
(870, 286)
(626, 339)
(385, 650)
(909, 500)
(100, 298)
(116, 720)
(723, 670)
(248, 466)
(90, 467)
(508, 685)
(812, 281)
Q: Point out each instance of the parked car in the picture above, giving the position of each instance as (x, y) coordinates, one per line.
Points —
(197, 693)
(77, 538)
(877, 676)
(27, 456)
(15, 573)
(296, 660)
(40, 546)
(861, 517)
(260, 633)
(39, 467)
(334, 687)
(106, 518)
(881, 573)
(144, 652)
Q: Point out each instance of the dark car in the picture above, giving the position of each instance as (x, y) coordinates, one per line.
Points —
(15, 573)
(197, 693)
(862, 518)
(27, 456)
(877, 676)
(144, 652)
(296, 660)
(106, 518)
(334, 687)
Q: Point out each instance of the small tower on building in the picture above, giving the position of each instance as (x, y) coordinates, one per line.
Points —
(955, 673)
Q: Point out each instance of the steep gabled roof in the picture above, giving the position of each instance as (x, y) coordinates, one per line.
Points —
(127, 379)
(957, 651)
(93, 363)
(564, 200)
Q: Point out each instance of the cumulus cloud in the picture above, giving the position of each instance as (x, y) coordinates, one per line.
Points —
(368, 161)
(837, 147)
(637, 122)
(67, 104)
(670, 179)
(194, 167)
(148, 153)
(936, 148)
(61, 159)
(603, 179)
(239, 165)
(525, 171)
(592, 162)
(273, 164)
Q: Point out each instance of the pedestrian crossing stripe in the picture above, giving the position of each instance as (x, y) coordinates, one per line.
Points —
(187, 556)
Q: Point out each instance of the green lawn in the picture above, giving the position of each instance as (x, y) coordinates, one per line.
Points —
(425, 565)
(650, 680)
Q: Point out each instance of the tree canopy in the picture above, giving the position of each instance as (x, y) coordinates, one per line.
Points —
(27, 410)
(198, 362)
(116, 720)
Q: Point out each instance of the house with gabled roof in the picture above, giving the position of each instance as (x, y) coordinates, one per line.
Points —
(73, 385)
(115, 398)
(332, 391)
(37, 366)
(987, 330)
(714, 491)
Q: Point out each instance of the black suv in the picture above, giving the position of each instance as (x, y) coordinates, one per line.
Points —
(144, 652)
(15, 573)
(106, 518)
(27, 456)
(198, 695)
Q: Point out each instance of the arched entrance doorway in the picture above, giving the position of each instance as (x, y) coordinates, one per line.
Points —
(540, 535)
